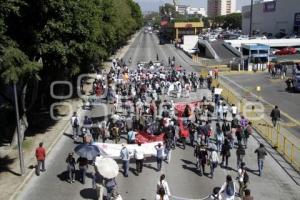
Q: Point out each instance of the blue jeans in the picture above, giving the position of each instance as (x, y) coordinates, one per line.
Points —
(109, 191)
(213, 165)
(41, 163)
(260, 163)
(159, 163)
(75, 132)
(125, 167)
(83, 170)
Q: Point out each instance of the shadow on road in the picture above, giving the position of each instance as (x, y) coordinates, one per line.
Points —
(5, 162)
(193, 169)
(63, 176)
(133, 170)
(188, 162)
(88, 193)
(149, 166)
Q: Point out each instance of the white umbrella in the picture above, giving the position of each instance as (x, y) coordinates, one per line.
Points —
(107, 167)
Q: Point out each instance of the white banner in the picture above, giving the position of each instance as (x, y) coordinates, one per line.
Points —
(113, 150)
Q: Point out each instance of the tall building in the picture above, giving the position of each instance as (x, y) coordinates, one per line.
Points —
(220, 7)
(273, 17)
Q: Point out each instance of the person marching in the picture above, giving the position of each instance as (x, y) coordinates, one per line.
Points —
(125, 156)
(75, 125)
(40, 154)
(162, 185)
(201, 154)
(71, 167)
(139, 158)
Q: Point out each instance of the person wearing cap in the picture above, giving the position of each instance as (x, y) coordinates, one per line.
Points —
(71, 167)
(125, 157)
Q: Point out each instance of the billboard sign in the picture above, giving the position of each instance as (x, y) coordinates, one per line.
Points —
(297, 19)
(164, 22)
(269, 6)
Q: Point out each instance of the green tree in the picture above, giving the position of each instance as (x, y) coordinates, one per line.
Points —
(233, 21)
(67, 35)
(167, 10)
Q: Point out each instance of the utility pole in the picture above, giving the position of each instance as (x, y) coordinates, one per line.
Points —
(21, 158)
(251, 12)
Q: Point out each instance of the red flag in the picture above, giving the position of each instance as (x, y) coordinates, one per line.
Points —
(143, 137)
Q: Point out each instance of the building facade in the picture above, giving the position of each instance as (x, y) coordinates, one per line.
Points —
(181, 9)
(220, 7)
(199, 11)
(273, 17)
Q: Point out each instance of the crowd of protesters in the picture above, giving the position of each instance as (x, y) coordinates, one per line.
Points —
(142, 100)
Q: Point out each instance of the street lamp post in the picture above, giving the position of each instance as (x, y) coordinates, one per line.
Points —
(251, 12)
(22, 169)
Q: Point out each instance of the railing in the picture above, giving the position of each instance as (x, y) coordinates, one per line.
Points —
(205, 62)
(260, 121)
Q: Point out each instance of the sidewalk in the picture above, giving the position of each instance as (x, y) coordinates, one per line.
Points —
(10, 180)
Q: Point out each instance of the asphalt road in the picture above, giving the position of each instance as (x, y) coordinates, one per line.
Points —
(183, 179)
(272, 90)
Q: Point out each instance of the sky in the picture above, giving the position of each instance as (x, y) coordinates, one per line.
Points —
(153, 5)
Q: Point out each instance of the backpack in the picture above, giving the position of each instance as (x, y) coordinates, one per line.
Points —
(229, 189)
(227, 127)
(246, 177)
(160, 188)
(75, 123)
(234, 123)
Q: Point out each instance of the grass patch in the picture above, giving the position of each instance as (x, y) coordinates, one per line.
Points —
(27, 144)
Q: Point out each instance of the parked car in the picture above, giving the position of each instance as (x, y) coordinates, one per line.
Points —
(243, 37)
(273, 51)
(193, 50)
(286, 51)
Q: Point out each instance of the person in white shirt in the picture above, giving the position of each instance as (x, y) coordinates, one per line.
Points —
(99, 76)
(225, 110)
(233, 110)
(161, 195)
(162, 183)
(139, 158)
(75, 125)
(187, 90)
(214, 161)
(179, 89)
(228, 189)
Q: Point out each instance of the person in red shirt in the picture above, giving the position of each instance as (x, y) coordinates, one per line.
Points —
(40, 154)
